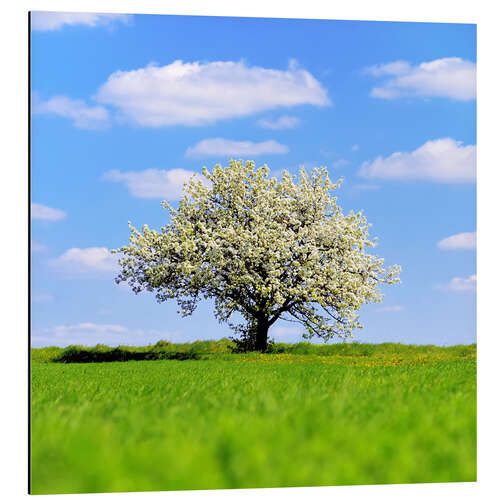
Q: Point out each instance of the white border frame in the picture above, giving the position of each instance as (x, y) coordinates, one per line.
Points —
(14, 213)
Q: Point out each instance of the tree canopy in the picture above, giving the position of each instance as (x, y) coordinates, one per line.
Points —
(265, 248)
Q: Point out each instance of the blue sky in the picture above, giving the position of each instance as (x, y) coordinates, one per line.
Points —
(125, 107)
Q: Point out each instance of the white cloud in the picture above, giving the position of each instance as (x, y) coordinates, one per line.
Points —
(286, 331)
(393, 68)
(225, 147)
(461, 241)
(38, 247)
(395, 308)
(50, 21)
(82, 115)
(82, 333)
(450, 77)
(42, 212)
(355, 147)
(440, 160)
(203, 93)
(152, 183)
(460, 284)
(283, 122)
(81, 261)
(90, 334)
(41, 297)
(88, 327)
(342, 162)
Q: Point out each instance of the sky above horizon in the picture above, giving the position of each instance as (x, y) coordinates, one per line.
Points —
(126, 107)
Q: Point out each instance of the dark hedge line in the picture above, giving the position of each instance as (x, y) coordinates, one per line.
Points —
(203, 349)
(92, 355)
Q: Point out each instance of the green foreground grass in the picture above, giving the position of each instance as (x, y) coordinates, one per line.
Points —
(302, 416)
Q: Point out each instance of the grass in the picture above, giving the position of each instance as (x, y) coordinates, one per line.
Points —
(302, 415)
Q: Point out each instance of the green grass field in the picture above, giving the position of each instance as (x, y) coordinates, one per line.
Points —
(301, 416)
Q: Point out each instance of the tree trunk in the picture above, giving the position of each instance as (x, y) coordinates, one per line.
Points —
(261, 339)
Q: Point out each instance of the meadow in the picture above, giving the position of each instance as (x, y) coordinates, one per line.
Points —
(198, 416)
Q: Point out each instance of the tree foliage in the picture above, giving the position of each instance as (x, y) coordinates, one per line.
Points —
(261, 247)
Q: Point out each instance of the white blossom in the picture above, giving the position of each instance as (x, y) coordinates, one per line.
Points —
(265, 248)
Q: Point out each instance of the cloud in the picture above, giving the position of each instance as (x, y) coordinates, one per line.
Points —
(355, 147)
(440, 160)
(81, 333)
(283, 122)
(81, 261)
(90, 334)
(42, 212)
(91, 327)
(461, 241)
(51, 21)
(460, 284)
(286, 331)
(390, 309)
(41, 297)
(225, 147)
(197, 93)
(38, 247)
(342, 162)
(82, 115)
(450, 77)
(151, 183)
(393, 68)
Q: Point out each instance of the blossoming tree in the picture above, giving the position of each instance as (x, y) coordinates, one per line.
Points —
(263, 248)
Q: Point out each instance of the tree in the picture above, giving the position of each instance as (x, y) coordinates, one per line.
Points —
(263, 248)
